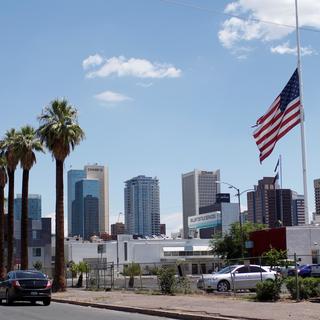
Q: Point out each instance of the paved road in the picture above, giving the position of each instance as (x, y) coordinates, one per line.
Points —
(58, 311)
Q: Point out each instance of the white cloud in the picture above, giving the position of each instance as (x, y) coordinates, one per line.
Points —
(140, 68)
(111, 97)
(144, 84)
(235, 30)
(92, 61)
(285, 48)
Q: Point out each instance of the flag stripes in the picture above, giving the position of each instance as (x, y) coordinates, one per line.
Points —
(283, 115)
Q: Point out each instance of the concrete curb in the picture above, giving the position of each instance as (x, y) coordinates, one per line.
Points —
(152, 312)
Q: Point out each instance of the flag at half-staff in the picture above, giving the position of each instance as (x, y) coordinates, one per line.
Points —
(283, 115)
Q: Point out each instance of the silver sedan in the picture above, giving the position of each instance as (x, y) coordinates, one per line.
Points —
(236, 277)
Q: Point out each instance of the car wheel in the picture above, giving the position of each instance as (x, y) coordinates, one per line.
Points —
(223, 286)
(9, 300)
(46, 302)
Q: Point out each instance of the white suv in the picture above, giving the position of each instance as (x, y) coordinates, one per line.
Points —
(235, 277)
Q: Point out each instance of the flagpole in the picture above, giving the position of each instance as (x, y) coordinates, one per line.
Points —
(303, 142)
(281, 204)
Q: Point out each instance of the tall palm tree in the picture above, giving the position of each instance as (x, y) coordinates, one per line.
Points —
(8, 147)
(60, 132)
(27, 142)
(3, 181)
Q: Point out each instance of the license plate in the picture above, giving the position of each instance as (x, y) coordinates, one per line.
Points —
(34, 293)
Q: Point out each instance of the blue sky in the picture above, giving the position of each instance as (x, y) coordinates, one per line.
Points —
(161, 88)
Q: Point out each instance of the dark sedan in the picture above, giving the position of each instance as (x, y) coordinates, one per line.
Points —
(25, 285)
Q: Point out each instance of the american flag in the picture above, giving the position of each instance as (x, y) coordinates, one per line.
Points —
(280, 118)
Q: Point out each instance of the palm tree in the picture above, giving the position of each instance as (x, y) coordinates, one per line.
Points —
(8, 147)
(27, 142)
(60, 132)
(3, 181)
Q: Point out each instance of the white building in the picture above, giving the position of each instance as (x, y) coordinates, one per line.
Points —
(195, 254)
(199, 189)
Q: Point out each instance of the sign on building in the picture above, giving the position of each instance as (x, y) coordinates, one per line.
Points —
(206, 220)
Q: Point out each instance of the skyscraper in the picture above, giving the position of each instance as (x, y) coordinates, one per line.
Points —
(85, 208)
(199, 189)
(73, 177)
(316, 184)
(142, 206)
(90, 172)
(101, 173)
(298, 215)
(34, 206)
(272, 206)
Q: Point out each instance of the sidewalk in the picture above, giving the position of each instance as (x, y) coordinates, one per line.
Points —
(196, 306)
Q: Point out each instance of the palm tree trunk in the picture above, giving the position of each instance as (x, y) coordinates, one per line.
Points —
(2, 269)
(59, 276)
(10, 228)
(24, 220)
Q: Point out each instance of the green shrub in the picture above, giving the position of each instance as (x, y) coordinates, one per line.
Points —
(183, 285)
(132, 270)
(308, 287)
(167, 281)
(269, 290)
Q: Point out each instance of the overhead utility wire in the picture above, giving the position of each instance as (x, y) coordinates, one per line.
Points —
(190, 5)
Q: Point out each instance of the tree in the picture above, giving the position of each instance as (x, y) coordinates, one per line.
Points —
(231, 244)
(60, 132)
(82, 267)
(8, 148)
(274, 257)
(132, 270)
(26, 143)
(3, 182)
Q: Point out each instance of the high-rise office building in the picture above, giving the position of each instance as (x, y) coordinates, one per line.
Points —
(101, 173)
(90, 172)
(199, 189)
(85, 209)
(34, 206)
(316, 184)
(73, 177)
(142, 206)
(270, 205)
(117, 228)
(298, 216)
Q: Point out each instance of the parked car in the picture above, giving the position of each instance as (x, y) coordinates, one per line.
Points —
(26, 285)
(235, 277)
(307, 270)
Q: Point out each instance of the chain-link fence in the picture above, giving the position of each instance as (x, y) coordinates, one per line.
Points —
(236, 276)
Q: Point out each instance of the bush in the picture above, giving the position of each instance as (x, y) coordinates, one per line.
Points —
(167, 281)
(269, 290)
(183, 285)
(308, 287)
(132, 270)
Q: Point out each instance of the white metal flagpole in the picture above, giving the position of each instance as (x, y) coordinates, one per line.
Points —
(303, 140)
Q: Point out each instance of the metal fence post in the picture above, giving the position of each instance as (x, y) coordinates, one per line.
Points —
(297, 279)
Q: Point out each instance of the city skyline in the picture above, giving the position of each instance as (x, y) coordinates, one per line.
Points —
(160, 101)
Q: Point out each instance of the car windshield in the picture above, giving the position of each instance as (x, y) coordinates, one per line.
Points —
(30, 275)
(226, 269)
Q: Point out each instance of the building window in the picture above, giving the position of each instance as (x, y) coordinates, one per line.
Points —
(36, 252)
(34, 235)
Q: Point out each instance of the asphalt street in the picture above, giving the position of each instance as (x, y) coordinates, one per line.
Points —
(56, 311)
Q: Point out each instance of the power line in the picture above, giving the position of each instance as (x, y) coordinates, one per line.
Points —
(193, 6)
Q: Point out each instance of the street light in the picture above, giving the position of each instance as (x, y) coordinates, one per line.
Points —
(239, 201)
(238, 194)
